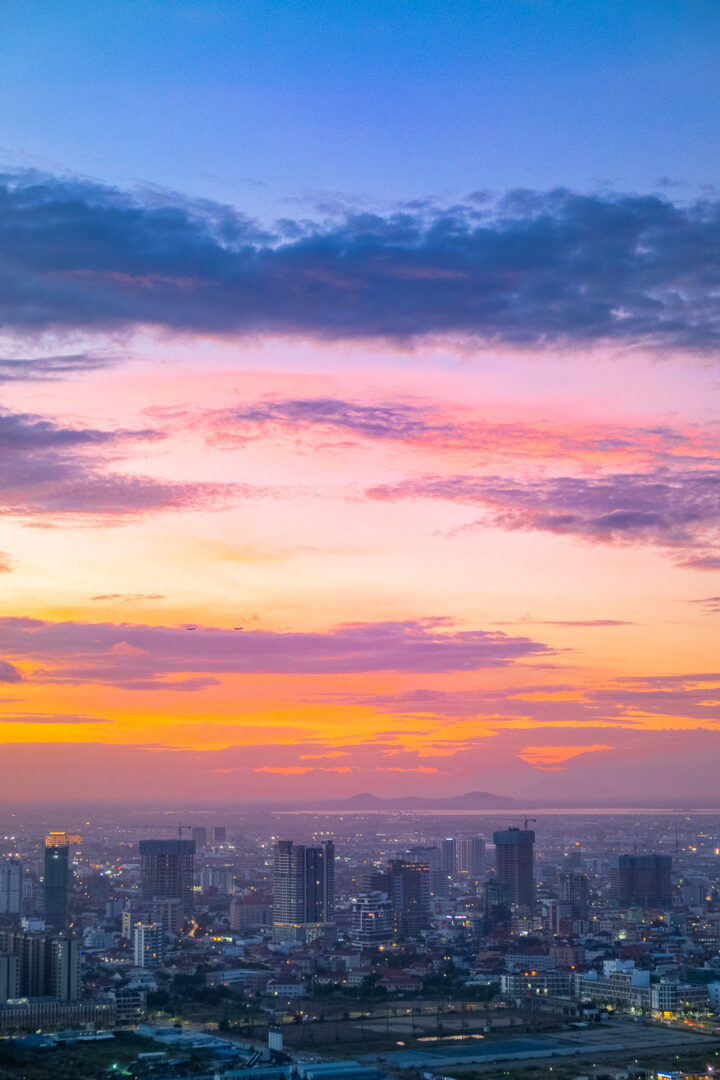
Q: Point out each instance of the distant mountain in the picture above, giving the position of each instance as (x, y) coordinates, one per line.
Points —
(472, 800)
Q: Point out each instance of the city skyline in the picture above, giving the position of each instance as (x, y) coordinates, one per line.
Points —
(359, 402)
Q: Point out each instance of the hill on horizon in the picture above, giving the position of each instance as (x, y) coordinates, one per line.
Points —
(471, 800)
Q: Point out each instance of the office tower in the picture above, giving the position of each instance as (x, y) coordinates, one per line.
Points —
(449, 856)
(514, 864)
(470, 854)
(199, 835)
(63, 975)
(303, 890)
(149, 945)
(56, 884)
(372, 919)
(218, 834)
(10, 886)
(642, 879)
(574, 891)
(9, 977)
(166, 870)
(410, 896)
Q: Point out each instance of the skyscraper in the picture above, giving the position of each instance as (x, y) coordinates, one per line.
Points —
(199, 835)
(410, 896)
(471, 856)
(303, 890)
(218, 834)
(64, 968)
(432, 857)
(574, 891)
(10, 887)
(449, 856)
(166, 871)
(56, 883)
(514, 864)
(642, 879)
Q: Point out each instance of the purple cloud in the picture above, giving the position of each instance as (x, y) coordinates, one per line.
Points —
(397, 421)
(421, 423)
(701, 562)
(9, 673)
(51, 469)
(136, 655)
(531, 269)
(47, 368)
(665, 507)
(710, 603)
(685, 696)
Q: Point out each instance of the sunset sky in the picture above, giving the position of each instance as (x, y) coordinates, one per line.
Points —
(360, 399)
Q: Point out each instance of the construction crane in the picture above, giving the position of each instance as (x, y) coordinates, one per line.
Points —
(526, 821)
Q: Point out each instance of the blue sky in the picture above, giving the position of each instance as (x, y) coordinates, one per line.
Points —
(263, 102)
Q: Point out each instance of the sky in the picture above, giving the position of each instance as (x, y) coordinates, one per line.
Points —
(359, 400)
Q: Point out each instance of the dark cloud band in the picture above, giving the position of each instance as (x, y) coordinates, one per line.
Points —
(532, 269)
(139, 656)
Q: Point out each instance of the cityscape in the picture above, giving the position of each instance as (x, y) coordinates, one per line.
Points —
(370, 945)
(359, 540)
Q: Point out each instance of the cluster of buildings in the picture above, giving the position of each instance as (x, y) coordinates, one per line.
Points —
(86, 936)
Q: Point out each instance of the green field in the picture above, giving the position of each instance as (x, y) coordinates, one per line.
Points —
(89, 1061)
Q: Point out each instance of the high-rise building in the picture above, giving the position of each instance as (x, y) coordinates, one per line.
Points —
(218, 834)
(449, 856)
(471, 856)
(410, 896)
(56, 884)
(149, 945)
(432, 857)
(303, 890)
(9, 977)
(219, 878)
(47, 965)
(10, 886)
(166, 870)
(64, 968)
(199, 835)
(574, 891)
(514, 864)
(642, 879)
(498, 901)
